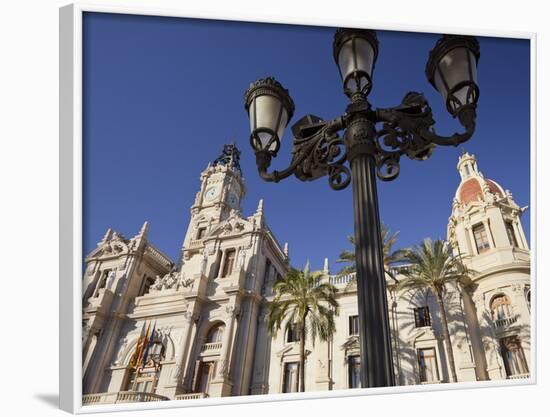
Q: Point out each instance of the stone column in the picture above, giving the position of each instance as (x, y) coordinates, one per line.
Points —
(186, 372)
(470, 237)
(92, 341)
(262, 352)
(222, 261)
(489, 234)
(520, 236)
(182, 349)
(225, 356)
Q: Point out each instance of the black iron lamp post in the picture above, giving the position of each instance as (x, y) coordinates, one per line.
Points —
(373, 142)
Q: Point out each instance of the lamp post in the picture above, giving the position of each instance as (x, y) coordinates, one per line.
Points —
(373, 142)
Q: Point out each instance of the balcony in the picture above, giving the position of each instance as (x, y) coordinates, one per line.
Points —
(211, 347)
(121, 397)
(503, 324)
(191, 396)
(435, 381)
(341, 279)
(519, 376)
(195, 244)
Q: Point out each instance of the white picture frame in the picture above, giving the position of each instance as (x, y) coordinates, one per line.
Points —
(71, 255)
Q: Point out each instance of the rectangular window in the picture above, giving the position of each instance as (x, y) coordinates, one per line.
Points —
(422, 317)
(206, 370)
(290, 377)
(293, 335)
(267, 271)
(353, 325)
(480, 236)
(102, 282)
(229, 261)
(427, 365)
(146, 286)
(201, 232)
(142, 380)
(511, 234)
(354, 371)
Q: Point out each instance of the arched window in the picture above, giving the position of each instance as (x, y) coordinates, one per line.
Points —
(215, 334)
(500, 307)
(514, 357)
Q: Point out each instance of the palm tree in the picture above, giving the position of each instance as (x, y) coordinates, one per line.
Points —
(302, 300)
(388, 239)
(433, 266)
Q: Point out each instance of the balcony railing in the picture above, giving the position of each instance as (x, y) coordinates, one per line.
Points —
(195, 244)
(500, 324)
(121, 397)
(192, 396)
(435, 381)
(206, 347)
(518, 376)
(341, 279)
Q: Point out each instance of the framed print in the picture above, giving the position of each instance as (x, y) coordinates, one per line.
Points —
(281, 210)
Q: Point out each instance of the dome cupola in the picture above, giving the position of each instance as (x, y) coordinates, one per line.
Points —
(474, 187)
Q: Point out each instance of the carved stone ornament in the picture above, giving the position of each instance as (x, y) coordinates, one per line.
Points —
(517, 288)
(232, 310)
(123, 342)
(114, 245)
(172, 280)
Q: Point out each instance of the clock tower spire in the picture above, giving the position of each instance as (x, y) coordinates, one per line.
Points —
(221, 192)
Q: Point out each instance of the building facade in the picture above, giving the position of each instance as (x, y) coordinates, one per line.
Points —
(204, 315)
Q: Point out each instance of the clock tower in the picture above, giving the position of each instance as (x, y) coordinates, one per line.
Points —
(221, 192)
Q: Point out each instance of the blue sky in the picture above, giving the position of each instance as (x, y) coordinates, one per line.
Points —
(162, 96)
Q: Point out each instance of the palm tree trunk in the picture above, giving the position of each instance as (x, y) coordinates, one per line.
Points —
(302, 358)
(446, 335)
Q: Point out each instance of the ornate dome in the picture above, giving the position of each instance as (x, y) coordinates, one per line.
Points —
(474, 187)
(472, 190)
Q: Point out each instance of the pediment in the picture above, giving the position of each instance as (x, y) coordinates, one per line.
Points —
(351, 343)
(231, 226)
(292, 349)
(116, 246)
(424, 334)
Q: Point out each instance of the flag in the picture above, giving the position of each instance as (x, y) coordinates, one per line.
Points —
(135, 357)
(149, 343)
(142, 347)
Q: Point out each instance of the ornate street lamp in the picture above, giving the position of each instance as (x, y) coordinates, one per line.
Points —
(373, 142)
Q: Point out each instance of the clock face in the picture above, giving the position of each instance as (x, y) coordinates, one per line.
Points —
(211, 193)
(232, 200)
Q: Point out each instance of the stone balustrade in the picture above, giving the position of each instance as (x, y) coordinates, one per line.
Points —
(191, 396)
(121, 397)
(211, 346)
(501, 324)
(341, 279)
(195, 244)
(518, 376)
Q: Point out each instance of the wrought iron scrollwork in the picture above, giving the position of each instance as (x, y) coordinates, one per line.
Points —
(406, 129)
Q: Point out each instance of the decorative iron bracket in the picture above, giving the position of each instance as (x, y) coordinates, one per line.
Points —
(406, 129)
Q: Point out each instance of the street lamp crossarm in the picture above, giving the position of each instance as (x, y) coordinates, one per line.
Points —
(322, 153)
(406, 129)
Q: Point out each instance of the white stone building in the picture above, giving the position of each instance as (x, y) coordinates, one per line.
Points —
(208, 310)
